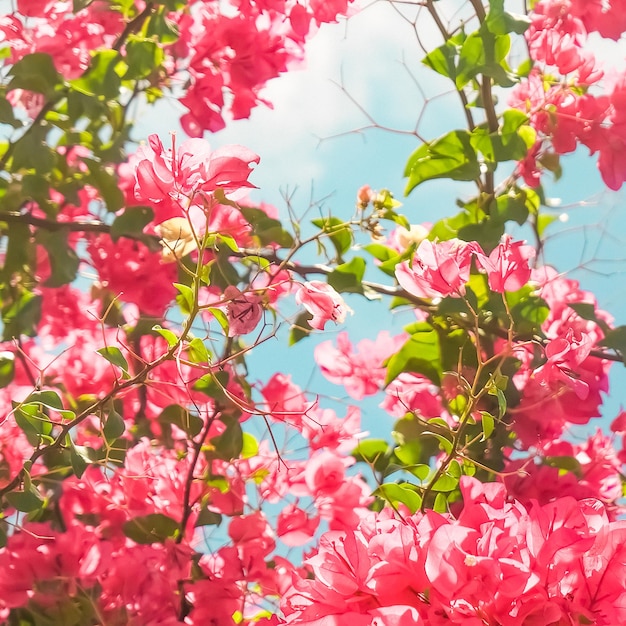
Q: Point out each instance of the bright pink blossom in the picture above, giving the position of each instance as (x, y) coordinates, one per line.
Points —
(496, 563)
(133, 273)
(174, 180)
(323, 302)
(507, 266)
(438, 268)
(295, 527)
(361, 371)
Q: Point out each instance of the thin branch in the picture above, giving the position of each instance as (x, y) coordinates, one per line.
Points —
(52, 225)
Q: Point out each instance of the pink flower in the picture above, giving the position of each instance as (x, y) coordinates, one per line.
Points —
(244, 311)
(361, 372)
(284, 400)
(507, 266)
(295, 527)
(323, 302)
(438, 268)
(133, 273)
(173, 180)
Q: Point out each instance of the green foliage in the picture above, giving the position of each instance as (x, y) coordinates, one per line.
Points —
(339, 232)
(266, 229)
(451, 156)
(114, 355)
(176, 415)
(420, 354)
(348, 277)
(35, 72)
(153, 528)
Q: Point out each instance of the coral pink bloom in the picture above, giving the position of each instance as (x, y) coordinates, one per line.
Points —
(361, 372)
(323, 302)
(438, 268)
(295, 527)
(284, 398)
(507, 266)
(171, 180)
(564, 356)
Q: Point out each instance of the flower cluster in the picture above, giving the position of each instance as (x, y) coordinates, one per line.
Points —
(497, 562)
(557, 95)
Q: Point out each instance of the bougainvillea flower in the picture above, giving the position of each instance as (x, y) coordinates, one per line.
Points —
(323, 302)
(507, 266)
(438, 268)
(173, 180)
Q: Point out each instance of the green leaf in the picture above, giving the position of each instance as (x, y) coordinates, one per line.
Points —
(487, 422)
(443, 60)
(168, 335)
(340, 233)
(78, 5)
(381, 252)
(471, 59)
(114, 426)
(528, 310)
(451, 156)
(616, 340)
(163, 28)
(565, 463)
(186, 298)
(400, 494)
(7, 368)
(300, 328)
(35, 72)
(266, 229)
(32, 151)
(348, 277)
(179, 416)
(370, 450)
(441, 503)
(229, 444)
(114, 355)
(153, 528)
(410, 453)
(143, 57)
(543, 221)
(250, 446)
(106, 183)
(79, 458)
(221, 319)
(500, 22)
(64, 261)
(25, 501)
(131, 222)
(34, 422)
(197, 351)
(208, 518)
(499, 393)
(510, 207)
(101, 78)
(420, 354)
(47, 398)
(6, 113)
(21, 317)
(374, 452)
